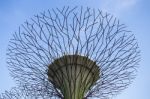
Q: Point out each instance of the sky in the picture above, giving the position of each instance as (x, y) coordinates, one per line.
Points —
(134, 13)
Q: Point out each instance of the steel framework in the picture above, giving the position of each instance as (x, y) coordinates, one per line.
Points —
(64, 52)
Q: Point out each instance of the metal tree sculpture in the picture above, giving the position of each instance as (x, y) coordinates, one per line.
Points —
(73, 53)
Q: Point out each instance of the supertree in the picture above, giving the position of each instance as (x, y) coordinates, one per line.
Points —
(73, 53)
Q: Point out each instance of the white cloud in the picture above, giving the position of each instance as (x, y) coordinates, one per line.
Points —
(117, 6)
(126, 3)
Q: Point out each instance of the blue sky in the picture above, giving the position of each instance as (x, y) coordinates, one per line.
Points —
(134, 13)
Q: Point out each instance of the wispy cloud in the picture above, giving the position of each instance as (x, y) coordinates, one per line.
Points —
(117, 6)
(126, 3)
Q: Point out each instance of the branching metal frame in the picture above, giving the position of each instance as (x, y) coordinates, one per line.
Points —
(22, 93)
(14, 93)
(73, 31)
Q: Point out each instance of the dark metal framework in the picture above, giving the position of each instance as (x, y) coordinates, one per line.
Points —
(73, 31)
(21, 93)
(12, 94)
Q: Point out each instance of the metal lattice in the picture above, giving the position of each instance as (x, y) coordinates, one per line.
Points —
(78, 31)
